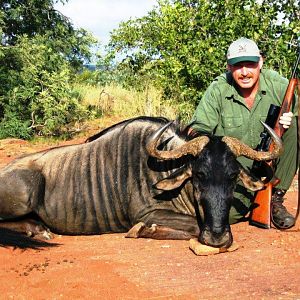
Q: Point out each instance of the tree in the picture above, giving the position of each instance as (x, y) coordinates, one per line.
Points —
(182, 44)
(38, 17)
(39, 52)
(36, 95)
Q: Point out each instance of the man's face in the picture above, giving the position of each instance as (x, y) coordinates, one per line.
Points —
(246, 73)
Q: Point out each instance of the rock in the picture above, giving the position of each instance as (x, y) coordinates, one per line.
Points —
(200, 249)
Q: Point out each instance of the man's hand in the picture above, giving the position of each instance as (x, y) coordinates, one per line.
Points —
(286, 120)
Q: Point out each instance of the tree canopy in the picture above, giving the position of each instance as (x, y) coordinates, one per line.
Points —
(182, 44)
(39, 51)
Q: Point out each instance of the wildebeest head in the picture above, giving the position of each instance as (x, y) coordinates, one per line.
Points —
(214, 172)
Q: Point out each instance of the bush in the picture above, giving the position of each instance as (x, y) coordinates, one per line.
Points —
(36, 96)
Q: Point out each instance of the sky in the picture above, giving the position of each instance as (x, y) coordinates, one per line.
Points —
(100, 17)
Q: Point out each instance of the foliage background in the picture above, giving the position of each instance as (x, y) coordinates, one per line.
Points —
(182, 44)
(177, 49)
(40, 54)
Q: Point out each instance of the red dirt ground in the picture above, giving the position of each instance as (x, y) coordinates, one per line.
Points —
(266, 265)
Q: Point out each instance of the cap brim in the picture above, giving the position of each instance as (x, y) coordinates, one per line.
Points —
(235, 60)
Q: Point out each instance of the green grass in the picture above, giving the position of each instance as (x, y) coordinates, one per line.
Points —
(112, 103)
(113, 100)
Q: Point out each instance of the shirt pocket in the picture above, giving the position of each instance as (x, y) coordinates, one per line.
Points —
(233, 126)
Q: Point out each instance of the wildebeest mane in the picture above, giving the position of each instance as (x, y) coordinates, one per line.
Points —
(142, 118)
(186, 132)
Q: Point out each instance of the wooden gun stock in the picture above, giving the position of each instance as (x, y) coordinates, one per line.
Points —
(261, 213)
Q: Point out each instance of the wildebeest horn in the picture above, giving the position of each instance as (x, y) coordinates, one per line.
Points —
(240, 149)
(193, 147)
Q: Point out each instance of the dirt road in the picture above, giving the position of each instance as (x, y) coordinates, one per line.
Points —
(266, 265)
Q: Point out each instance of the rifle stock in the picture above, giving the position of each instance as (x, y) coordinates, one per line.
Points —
(261, 214)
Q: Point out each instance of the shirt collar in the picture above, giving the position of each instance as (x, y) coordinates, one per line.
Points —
(262, 83)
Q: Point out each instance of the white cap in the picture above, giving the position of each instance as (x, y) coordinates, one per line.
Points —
(242, 50)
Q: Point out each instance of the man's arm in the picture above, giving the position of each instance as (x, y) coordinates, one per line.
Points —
(206, 116)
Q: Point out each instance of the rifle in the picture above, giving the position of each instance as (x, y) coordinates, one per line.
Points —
(261, 213)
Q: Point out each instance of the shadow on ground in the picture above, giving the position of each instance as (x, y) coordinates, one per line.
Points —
(10, 238)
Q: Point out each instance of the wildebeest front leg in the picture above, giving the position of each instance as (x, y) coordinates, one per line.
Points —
(157, 232)
(165, 225)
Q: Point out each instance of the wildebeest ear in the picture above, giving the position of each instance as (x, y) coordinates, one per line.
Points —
(175, 180)
(249, 181)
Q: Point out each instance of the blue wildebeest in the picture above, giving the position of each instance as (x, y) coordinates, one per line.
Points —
(141, 171)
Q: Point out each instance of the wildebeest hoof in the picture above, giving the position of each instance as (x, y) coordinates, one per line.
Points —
(41, 235)
(46, 235)
(29, 233)
(135, 230)
(153, 228)
(37, 230)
